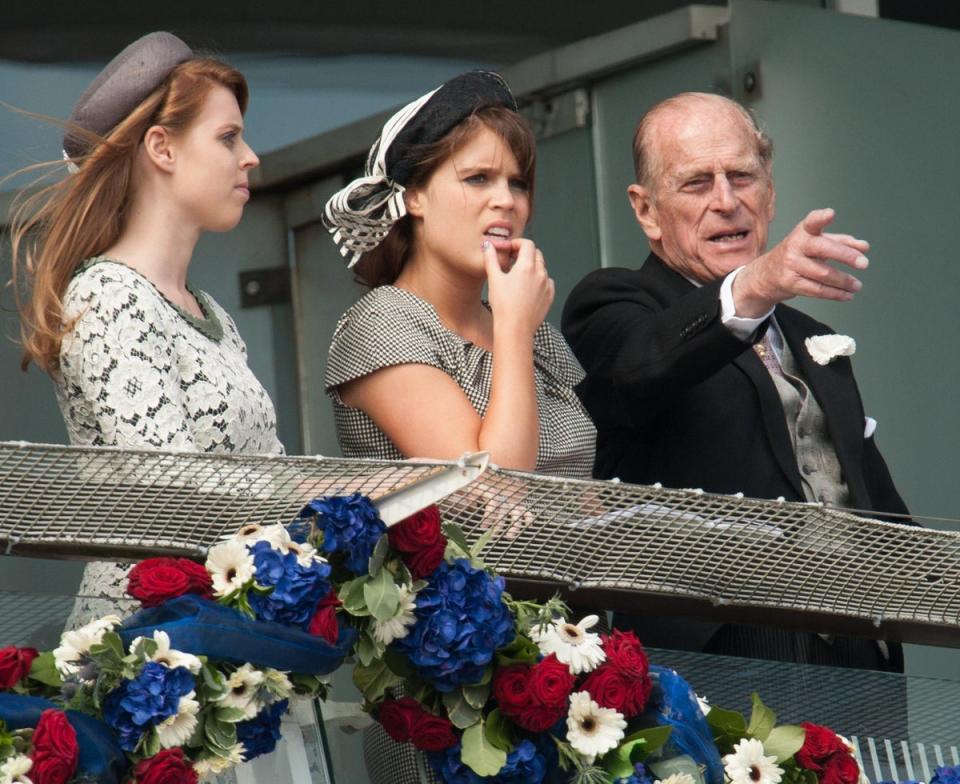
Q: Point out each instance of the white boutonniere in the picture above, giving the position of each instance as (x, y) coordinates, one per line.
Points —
(826, 348)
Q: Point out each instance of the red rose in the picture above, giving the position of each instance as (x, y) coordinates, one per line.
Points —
(841, 768)
(424, 562)
(15, 664)
(625, 653)
(551, 682)
(539, 718)
(511, 688)
(324, 621)
(819, 745)
(398, 717)
(155, 580)
(55, 751)
(417, 531)
(166, 767)
(432, 733)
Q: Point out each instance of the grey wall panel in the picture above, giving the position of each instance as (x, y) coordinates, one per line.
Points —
(564, 222)
(618, 103)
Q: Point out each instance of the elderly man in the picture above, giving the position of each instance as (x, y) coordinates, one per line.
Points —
(699, 376)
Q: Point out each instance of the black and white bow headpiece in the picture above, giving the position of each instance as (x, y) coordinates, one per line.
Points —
(362, 213)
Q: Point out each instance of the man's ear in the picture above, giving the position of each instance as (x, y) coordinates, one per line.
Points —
(645, 210)
(413, 198)
(158, 146)
(772, 209)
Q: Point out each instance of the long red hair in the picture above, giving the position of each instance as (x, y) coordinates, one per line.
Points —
(54, 229)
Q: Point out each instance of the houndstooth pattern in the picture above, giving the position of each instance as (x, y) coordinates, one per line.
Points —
(136, 371)
(392, 326)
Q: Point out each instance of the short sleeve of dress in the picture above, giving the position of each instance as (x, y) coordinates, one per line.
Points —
(387, 327)
(118, 376)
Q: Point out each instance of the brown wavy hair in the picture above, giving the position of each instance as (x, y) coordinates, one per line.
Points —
(383, 264)
(54, 229)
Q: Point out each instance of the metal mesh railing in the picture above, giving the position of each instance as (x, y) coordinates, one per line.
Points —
(607, 544)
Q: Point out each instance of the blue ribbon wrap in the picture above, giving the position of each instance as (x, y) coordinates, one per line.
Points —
(204, 628)
(677, 707)
(100, 756)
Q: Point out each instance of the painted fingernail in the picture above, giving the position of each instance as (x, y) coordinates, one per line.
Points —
(862, 262)
(486, 244)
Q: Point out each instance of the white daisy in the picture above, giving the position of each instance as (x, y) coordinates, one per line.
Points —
(748, 765)
(75, 645)
(307, 554)
(231, 567)
(677, 778)
(242, 687)
(208, 767)
(276, 534)
(576, 647)
(177, 729)
(276, 684)
(592, 730)
(704, 704)
(14, 770)
(167, 656)
(397, 627)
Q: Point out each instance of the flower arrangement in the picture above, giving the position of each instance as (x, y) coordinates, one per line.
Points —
(489, 688)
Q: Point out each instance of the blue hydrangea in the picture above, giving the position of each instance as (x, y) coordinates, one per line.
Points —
(461, 621)
(639, 776)
(525, 765)
(946, 775)
(296, 588)
(260, 734)
(142, 703)
(350, 525)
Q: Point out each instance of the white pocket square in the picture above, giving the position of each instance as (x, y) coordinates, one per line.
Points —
(869, 425)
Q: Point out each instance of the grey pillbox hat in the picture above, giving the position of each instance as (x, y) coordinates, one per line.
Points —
(123, 84)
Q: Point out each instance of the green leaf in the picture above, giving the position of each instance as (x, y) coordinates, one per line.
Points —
(480, 754)
(229, 715)
(783, 742)
(221, 736)
(482, 542)
(522, 650)
(635, 748)
(382, 596)
(653, 739)
(477, 695)
(367, 649)
(374, 680)
(44, 670)
(398, 663)
(150, 743)
(762, 720)
(457, 538)
(351, 594)
(380, 551)
(460, 711)
(497, 730)
(681, 764)
(726, 724)
(308, 685)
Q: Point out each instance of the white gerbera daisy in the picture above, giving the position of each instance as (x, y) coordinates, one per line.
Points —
(208, 767)
(748, 765)
(307, 554)
(167, 656)
(14, 770)
(592, 730)
(576, 647)
(397, 627)
(177, 729)
(75, 645)
(677, 778)
(231, 567)
(276, 534)
(276, 685)
(242, 687)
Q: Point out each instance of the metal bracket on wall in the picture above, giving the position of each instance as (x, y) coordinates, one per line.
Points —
(266, 286)
(558, 113)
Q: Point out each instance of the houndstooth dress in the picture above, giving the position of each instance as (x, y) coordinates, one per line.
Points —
(136, 371)
(391, 326)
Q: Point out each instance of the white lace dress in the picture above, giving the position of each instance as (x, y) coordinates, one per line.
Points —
(137, 371)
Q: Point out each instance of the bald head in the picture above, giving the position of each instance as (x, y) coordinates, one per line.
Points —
(663, 118)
